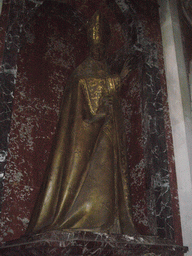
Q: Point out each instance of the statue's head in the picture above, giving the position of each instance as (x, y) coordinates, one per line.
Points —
(98, 36)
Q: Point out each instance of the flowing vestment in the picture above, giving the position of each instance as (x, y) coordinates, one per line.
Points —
(86, 183)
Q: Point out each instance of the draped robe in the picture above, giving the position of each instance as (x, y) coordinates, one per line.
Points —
(86, 182)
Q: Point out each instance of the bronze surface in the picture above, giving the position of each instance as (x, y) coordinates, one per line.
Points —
(86, 183)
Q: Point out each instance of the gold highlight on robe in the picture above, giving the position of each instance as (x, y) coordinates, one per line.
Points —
(86, 183)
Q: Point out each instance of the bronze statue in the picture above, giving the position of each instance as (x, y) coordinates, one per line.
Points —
(86, 183)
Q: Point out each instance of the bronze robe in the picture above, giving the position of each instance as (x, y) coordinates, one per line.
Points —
(86, 184)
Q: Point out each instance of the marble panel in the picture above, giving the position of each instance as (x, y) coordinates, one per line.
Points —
(179, 103)
(11, 24)
(170, 155)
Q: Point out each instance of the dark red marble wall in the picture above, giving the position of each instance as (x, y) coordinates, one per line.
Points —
(53, 44)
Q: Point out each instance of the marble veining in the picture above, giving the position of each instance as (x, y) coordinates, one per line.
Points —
(37, 103)
(88, 243)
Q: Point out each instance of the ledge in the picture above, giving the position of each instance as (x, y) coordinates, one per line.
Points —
(56, 243)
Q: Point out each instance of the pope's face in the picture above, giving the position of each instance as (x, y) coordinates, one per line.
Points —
(97, 51)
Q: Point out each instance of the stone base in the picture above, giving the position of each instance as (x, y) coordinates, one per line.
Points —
(56, 243)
